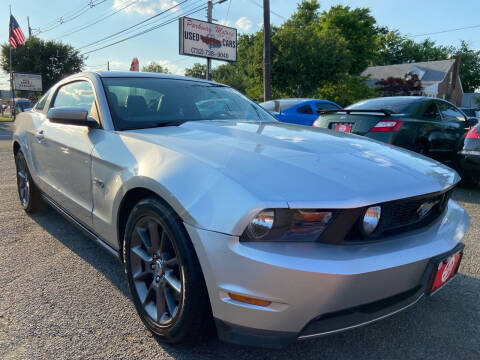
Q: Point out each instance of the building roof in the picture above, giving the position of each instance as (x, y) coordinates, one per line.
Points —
(429, 72)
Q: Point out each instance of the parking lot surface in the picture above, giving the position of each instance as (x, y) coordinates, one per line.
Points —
(63, 297)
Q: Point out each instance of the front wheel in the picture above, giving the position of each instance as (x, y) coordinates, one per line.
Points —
(164, 276)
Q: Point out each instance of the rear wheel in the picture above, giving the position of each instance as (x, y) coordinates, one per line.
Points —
(27, 191)
(164, 275)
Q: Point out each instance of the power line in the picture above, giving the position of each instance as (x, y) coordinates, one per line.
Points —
(146, 31)
(130, 27)
(184, 9)
(446, 31)
(228, 9)
(96, 21)
(271, 11)
(157, 21)
(67, 18)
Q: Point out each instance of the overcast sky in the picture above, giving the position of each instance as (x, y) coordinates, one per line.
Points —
(412, 17)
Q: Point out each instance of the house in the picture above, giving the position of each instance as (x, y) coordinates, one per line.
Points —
(440, 79)
(471, 100)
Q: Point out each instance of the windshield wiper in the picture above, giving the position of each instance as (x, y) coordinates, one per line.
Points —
(154, 125)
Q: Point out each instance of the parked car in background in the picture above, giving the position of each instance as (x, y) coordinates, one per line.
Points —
(432, 127)
(470, 157)
(21, 105)
(471, 111)
(298, 111)
(222, 215)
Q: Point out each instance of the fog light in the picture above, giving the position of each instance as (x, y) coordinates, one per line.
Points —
(371, 219)
(261, 224)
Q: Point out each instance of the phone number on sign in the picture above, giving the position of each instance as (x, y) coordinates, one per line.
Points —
(210, 53)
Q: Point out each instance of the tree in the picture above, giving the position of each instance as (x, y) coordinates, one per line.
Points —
(409, 85)
(53, 60)
(395, 48)
(469, 68)
(346, 90)
(155, 67)
(197, 71)
(359, 30)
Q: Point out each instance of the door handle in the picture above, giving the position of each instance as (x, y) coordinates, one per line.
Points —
(98, 182)
(39, 135)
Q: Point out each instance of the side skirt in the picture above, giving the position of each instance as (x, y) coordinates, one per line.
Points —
(100, 242)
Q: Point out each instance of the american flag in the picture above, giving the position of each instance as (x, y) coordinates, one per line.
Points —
(16, 35)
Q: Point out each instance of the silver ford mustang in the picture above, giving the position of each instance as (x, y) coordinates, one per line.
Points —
(225, 218)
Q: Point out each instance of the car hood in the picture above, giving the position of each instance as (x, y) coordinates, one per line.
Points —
(303, 166)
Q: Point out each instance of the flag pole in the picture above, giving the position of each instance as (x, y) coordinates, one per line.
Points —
(12, 90)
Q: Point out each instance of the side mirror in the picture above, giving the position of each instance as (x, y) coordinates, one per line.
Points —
(472, 121)
(71, 116)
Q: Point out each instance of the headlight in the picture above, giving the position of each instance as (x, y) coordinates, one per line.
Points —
(370, 220)
(260, 224)
(287, 225)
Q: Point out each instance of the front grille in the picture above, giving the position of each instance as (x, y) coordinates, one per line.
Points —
(403, 215)
(408, 212)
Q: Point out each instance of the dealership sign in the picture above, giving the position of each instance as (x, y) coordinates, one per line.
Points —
(203, 39)
(24, 81)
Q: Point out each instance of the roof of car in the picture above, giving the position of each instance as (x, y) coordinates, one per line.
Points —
(137, 74)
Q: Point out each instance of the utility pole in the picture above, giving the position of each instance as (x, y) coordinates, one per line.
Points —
(108, 65)
(29, 28)
(267, 92)
(209, 61)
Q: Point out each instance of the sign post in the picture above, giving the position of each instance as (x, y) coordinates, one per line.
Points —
(207, 40)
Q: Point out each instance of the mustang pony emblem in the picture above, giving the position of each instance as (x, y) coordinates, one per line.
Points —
(425, 208)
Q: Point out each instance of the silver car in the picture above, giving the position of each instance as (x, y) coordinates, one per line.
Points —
(226, 219)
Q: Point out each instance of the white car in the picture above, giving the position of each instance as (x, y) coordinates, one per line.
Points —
(272, 232)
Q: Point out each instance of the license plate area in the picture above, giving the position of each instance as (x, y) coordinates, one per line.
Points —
(342, 127)
(445, 267)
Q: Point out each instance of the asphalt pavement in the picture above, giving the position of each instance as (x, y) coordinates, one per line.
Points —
(63, 297)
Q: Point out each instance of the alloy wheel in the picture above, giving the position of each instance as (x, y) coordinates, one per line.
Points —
(156, 270)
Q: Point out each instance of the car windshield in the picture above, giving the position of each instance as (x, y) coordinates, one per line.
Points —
(394, 104)
(149, 102)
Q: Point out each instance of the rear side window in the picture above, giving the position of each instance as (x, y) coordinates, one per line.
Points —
(78, 94)
(326, 106)
(450, 112)
(397, 105)
(305, 109)
(41, 103)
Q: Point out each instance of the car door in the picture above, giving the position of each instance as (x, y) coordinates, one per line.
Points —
(429, 133)
(455, 125)
(66, 152)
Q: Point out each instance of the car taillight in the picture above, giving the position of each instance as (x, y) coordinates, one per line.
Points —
(472, 134)
(387, 125)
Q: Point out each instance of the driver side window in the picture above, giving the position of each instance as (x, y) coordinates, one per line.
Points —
(450, 112)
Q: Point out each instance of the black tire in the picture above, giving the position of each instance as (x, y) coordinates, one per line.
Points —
(153, 229)
(28, 192)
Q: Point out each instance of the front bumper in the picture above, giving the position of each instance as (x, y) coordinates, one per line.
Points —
(313, 287)
(470, 163)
